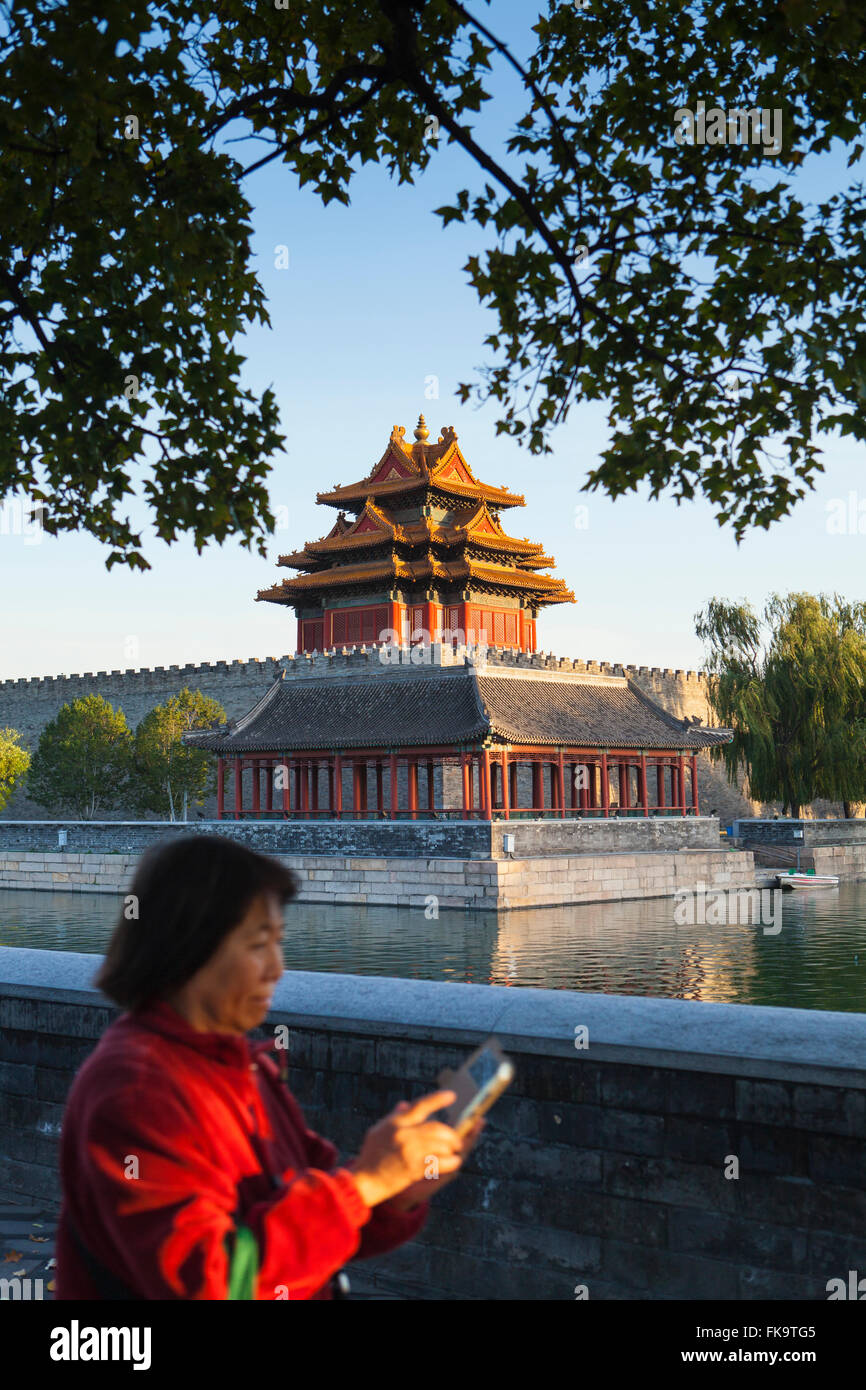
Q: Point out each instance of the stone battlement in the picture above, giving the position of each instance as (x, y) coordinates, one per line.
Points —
(357, 657)
(251, 666)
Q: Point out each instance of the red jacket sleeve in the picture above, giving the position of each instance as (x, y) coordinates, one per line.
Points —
(160, 1221)
(386, 1228)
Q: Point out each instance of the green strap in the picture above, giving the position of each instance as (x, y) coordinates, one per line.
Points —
(243, 1265)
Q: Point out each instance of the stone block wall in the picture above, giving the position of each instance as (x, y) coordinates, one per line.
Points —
(446, 884)
(688, 1151)
(847, 861)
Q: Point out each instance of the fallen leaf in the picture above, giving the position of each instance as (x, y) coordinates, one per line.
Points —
(52, 1264)
(18, 1273)
(50, 1286)
(39, 1239)
(12, 1255)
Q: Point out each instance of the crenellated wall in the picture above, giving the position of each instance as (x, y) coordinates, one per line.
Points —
(29, 704)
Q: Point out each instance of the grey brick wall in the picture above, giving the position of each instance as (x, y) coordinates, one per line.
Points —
(815, 832)
(453, 839)
(602, 1169)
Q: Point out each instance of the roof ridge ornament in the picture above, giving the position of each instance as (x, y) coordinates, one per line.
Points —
(422, 434)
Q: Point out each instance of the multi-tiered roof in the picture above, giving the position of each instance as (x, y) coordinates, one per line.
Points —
(423, 524)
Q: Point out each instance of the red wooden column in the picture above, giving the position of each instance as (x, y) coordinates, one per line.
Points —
(286, 786)
(695, 783)
(356, 787)
(512, 792)
(337, 798)
(644, 796)
(486, 798)
(605, 786)
(431, 788)
(661, 773)
(380, 786)
(257, 767)
(681, 785)
(412, 774)
(314, 784)
(221, 787)
(464, 783)
(269, 785)
(560, 778)
(623, 795)
(331, 786)
(297, 768)
(506, 808)
(239, 786)
(305, 788)
(587, 800)
(395, 789)
(537, 786)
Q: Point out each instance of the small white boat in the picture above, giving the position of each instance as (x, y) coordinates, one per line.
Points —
(803, 878)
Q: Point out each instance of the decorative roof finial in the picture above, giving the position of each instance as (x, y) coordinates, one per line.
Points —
(422, 434)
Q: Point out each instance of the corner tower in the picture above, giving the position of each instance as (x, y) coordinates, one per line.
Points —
(418, 554)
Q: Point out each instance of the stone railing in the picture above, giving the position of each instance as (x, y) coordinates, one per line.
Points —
(649, 1148)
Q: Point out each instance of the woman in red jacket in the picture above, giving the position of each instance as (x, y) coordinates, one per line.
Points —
(178, 1129)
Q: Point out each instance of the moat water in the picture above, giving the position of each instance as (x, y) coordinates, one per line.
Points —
(816, 960)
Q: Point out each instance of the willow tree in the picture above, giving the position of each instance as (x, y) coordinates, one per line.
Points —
(792, 686)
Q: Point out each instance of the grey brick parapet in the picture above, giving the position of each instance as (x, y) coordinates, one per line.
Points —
(448, 839)
(603, 1167)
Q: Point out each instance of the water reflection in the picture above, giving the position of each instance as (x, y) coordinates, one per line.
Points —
(611, 948)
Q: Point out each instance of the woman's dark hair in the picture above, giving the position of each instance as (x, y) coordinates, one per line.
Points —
(185, 897)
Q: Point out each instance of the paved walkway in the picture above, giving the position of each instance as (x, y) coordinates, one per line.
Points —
(27, 1235)
(27, 1239)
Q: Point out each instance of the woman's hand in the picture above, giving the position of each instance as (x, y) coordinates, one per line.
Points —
(421, 1191)
(397, 1151)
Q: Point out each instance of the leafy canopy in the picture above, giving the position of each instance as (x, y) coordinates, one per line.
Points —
(792, 686)
(82, 761)
(688, 286)
(165, 770)
(14, 762)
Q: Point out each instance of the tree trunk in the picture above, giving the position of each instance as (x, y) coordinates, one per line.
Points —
(846, 809)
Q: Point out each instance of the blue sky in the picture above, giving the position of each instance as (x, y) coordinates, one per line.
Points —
(373, 304)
